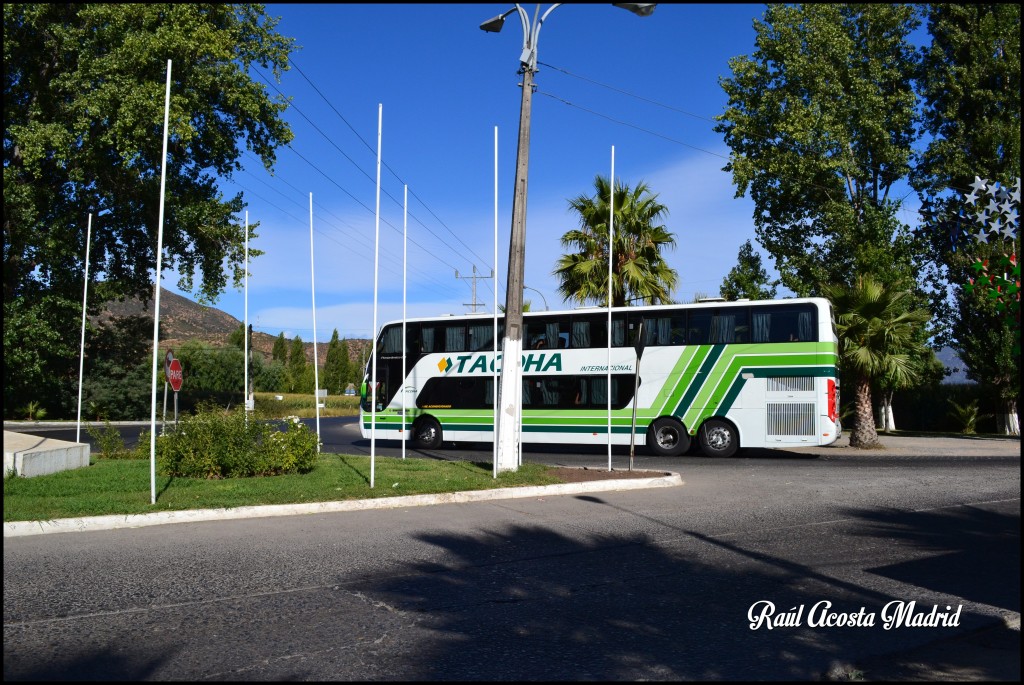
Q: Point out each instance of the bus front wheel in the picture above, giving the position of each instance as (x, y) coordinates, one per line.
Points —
(667, 438)
(427, 433)
(718, 438)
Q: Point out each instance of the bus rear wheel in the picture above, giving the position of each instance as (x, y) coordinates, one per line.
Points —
(426, 434)
(667, 438)
(718, 438)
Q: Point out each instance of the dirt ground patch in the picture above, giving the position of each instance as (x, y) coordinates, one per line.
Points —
(581, 475)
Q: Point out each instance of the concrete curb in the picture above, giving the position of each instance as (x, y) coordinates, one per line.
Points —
(28, 455)
(93, 523)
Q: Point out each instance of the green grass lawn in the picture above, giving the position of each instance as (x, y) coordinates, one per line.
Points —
(122, 486)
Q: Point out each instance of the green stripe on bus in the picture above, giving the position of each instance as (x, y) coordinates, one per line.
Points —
(698, 380)
(686, 367)
(601, 428)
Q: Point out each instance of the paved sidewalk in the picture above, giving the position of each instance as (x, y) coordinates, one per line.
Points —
(900, 445)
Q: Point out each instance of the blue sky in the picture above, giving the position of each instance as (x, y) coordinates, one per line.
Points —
(443, 86)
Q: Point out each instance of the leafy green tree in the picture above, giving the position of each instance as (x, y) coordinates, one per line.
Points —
(279, 353)
(272, 377)
(984, 342)
(118, 379)
(212, 373)
(40, 358)
(748, 279)
(639, 271)
(351, 373)
(117, 392)
(83, 119)
(821, 122)
(878, 339)
(236, 338)
(335, 365)
(297, 365)
(301, 381)
(970, 87)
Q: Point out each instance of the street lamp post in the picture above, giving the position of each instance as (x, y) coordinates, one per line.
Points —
(510, 389)
(546, 307)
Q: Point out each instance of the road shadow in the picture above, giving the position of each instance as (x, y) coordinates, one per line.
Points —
(523, 602)
(970, 552)
(127, 663)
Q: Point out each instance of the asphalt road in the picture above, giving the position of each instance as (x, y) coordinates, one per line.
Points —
(650, 584)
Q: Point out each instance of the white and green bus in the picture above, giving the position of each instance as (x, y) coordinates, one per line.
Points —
(724, 375)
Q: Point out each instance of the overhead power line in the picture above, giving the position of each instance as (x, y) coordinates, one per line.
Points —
(361, 170)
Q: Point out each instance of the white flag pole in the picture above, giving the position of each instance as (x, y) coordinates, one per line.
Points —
(156, 288)
(316, 370)
(405, 348)
(373, 343)
(245, 327)
(611, 244)
(81, 355)
(494, 367)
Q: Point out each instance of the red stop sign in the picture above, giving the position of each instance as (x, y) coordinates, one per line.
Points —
(175, 375)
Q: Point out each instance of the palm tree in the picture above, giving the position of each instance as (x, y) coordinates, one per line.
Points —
(639, 270)
(878, 339)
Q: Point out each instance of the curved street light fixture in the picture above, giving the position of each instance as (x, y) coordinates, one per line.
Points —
(510, 389)
(546, 307)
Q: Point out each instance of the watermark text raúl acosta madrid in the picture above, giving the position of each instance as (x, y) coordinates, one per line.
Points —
(896, 614)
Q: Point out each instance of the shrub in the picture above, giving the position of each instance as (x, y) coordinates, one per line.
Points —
(217, 443)
(108, 441)
(33, 412)
(966, 415)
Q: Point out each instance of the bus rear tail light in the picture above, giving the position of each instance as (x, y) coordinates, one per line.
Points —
(832, 400)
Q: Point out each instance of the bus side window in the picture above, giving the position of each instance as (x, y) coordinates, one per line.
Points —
(678, 333)
(589, 331)
(700, 328)
(455, 338)
(580, 334)
(620, 337)
(481, 336)
(428, 335)
(550, 392)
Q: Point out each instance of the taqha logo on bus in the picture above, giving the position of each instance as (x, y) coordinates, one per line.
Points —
(482, 363)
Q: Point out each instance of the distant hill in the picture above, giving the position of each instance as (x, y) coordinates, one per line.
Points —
(951, 361)
(182, 320)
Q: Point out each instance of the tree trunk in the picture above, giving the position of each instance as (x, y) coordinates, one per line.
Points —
(888, 420)
(864, 434)
(1010, 422)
